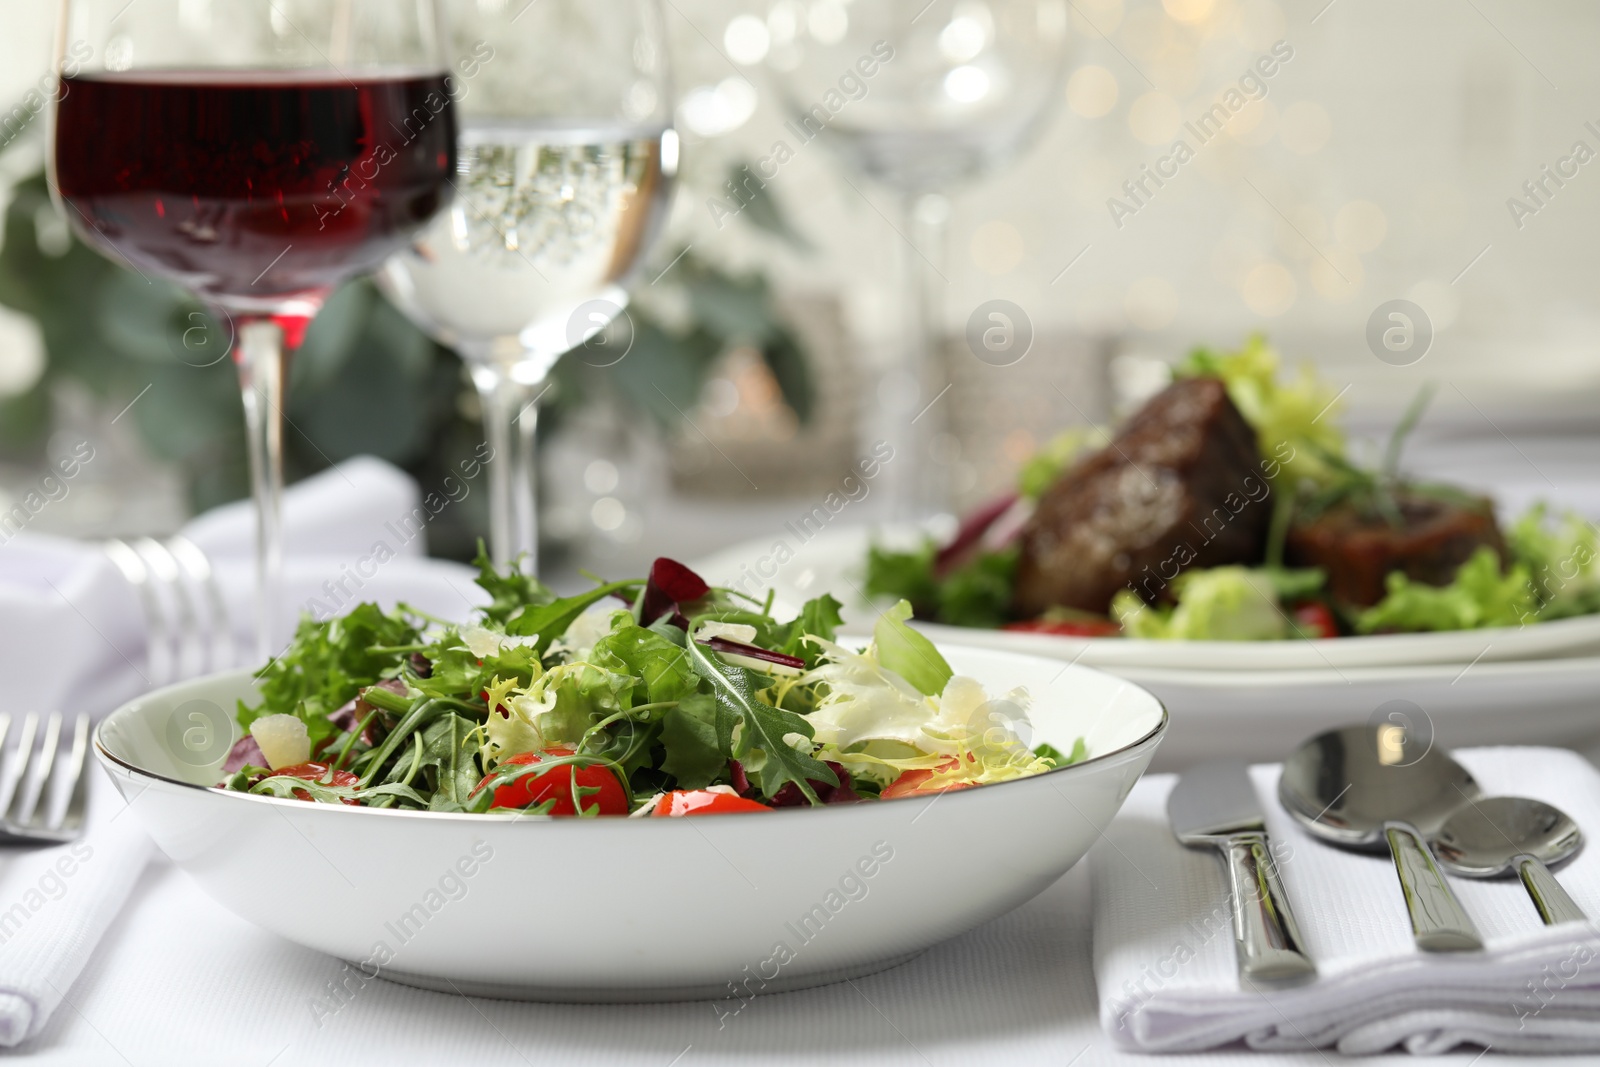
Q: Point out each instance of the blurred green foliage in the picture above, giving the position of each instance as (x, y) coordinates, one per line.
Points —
(365, 382)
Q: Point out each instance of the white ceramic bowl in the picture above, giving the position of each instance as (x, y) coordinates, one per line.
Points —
(632, 909)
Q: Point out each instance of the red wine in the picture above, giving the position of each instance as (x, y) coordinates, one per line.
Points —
(252, 189)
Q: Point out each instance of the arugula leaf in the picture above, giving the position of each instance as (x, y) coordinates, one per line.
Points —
(905, 575)
(689, 736)
(551, 620)
(327, 664)
(979, 592)
(764, 725)
(819, 617)
(449, 759)
(286, 787)
(511, 591)
(908, 653)
(663, 666)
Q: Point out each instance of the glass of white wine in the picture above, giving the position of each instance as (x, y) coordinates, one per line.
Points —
(566, 166)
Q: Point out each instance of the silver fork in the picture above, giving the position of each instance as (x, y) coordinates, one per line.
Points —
(58, 769)
(186, 621)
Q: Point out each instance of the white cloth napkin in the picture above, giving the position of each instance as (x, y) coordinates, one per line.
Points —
(55, 906)
(1164, 953)
(74, 626)
(75, 636)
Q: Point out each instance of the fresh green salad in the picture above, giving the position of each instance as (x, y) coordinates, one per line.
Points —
(1349, 549)
(686, 699)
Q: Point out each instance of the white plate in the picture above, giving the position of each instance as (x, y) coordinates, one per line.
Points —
(632, 909)
(1260, 716)
(834, 561)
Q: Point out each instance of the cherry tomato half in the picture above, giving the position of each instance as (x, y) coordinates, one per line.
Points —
(1068, 627)
(1314, 619)
(703, 802)
(556, 784)
(914, 783)
(318, 772)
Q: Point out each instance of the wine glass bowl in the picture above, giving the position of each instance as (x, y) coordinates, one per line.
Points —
(567, 161)
(258, 153)
(920, 95)
(957, 88)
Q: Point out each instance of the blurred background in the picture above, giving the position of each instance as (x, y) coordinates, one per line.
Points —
(1426, 151)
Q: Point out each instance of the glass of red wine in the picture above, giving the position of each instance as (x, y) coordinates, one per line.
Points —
(258, 153)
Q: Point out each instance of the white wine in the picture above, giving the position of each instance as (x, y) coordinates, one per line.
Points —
(545, 219)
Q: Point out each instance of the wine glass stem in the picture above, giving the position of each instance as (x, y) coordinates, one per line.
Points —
(919, 489)
(263, 366)
(510, 421)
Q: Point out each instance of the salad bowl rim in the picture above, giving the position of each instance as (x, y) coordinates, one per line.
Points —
(106, 756)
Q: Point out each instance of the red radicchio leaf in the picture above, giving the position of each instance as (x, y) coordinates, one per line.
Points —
(350, 715)
(671, 584)
(244, 751)
(422, 665)
(738, 779)
(739, 648)
(791, 797)
(972, 529)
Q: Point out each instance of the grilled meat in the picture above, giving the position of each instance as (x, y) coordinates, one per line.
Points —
(1358, 549)
(1181, 485)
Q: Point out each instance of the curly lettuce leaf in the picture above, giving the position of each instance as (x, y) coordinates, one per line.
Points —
(557, 709)
(1293, 419)
(1560, 561)
(1214, 604)
(1480, 596)
(661, 665)
(1060, 452)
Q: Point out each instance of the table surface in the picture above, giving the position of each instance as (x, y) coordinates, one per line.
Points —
(180, 981)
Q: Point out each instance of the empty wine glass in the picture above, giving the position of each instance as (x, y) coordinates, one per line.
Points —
(258, 153)
(567, 161)
(920, 95)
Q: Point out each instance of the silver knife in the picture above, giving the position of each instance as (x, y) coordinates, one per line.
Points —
(1214, 805)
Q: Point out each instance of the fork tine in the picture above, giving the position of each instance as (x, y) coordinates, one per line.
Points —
(77, 783)
(18, 804)
(47, 761)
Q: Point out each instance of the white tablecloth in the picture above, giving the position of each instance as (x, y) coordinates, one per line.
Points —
(182, 981)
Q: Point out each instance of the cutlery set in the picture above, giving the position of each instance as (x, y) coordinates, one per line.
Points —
(1372, 789)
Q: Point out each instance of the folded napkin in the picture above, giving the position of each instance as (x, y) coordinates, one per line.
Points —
(355, 532)
(76, 634)
(55, 906)
(1164, 949)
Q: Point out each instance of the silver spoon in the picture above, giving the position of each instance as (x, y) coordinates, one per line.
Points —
(1373, 788)
(1517, 836)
